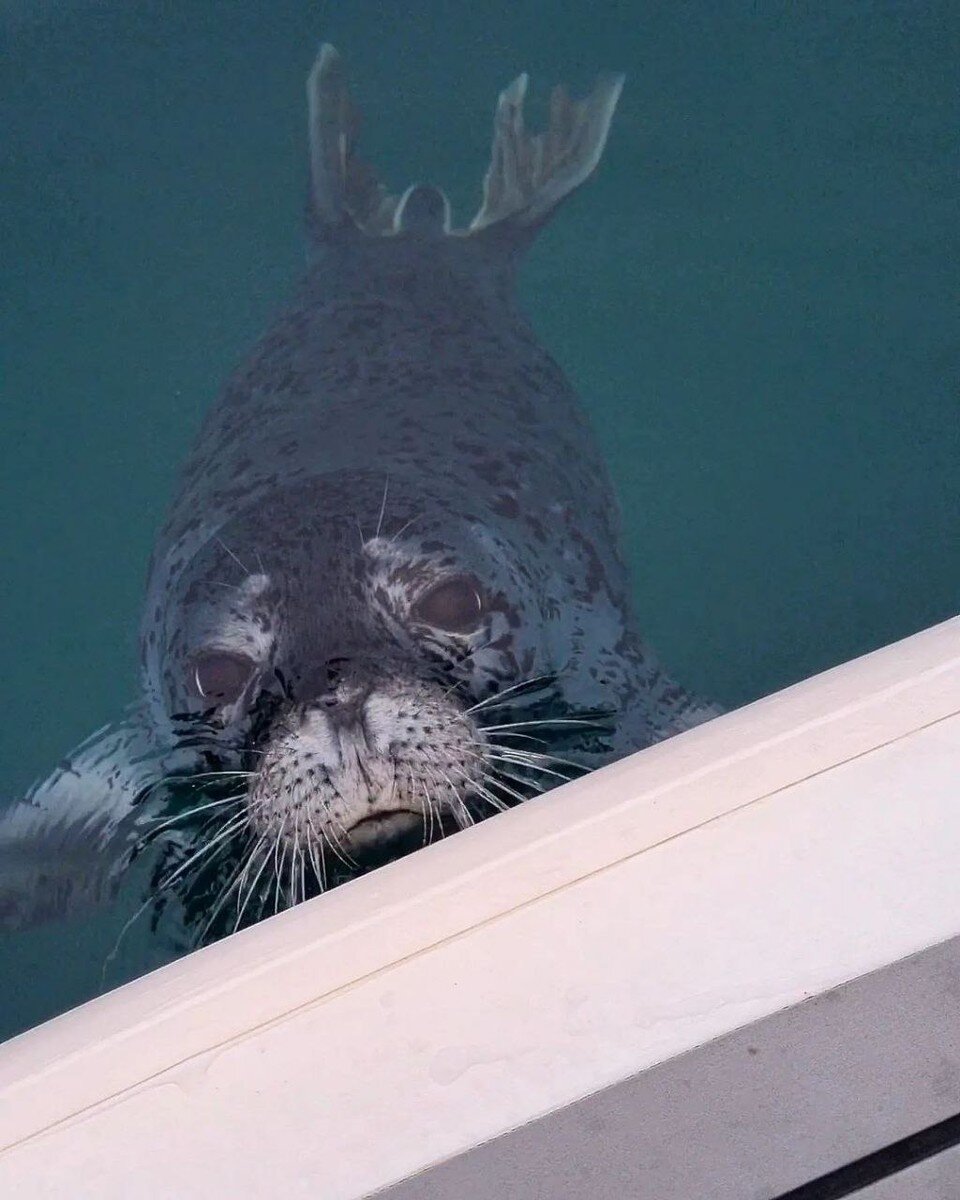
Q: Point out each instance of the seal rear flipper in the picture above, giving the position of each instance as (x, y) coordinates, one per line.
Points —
(344, 190)
(65, 845)
(531, 173)
(528, 177)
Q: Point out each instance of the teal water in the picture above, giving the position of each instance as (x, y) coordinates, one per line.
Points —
(756, 298)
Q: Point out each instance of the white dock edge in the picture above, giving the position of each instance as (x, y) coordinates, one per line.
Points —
(545, 972)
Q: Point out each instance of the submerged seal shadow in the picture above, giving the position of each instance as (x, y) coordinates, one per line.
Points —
(389, 598)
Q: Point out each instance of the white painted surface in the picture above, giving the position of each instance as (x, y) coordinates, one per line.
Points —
(748, 1116)
(624, 919)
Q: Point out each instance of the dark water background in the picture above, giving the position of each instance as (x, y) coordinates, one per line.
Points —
(757, 298)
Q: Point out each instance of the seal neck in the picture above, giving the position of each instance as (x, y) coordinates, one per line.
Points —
(416, 270)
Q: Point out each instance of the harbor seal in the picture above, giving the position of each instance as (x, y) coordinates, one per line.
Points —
(389, 598)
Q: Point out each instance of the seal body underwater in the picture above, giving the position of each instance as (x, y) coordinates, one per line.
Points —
(389, 598)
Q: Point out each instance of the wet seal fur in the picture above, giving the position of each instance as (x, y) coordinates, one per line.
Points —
(389, 598)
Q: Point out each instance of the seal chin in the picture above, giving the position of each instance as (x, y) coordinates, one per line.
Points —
(384, 836)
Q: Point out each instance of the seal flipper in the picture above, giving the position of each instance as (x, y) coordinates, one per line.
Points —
(344, 189)
(531, 173)
(528, 177)
(66, 844)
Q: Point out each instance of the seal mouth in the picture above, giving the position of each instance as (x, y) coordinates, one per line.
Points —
(385, 835)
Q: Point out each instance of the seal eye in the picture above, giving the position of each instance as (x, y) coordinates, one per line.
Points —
(220, 676)
(455, 605)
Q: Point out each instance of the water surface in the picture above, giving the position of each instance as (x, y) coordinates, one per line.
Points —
(756, 297)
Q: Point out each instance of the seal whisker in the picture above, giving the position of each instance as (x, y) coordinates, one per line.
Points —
(499, 773)
(527, 758)
(296, 858)
(234, 557)
(249, 858)
(192, 812)
(236, 881)
(526, 737)
(337, 831)
(403, 528)
(475, 650)
(232, 774)
(333, 841)
(501, 805)
(495, 775)
(434, 812)
(498, 776)
(383, 507)
(434, 783)
(187, 782)
(207, 848)
(534, 756)
(461, 814)
(533, 766)
(319, 868)
(481, 790)
(335, 845)
(337, 850)
(458, 684)
(251, 890)
(427, 809)
(280, 848)
(127, 926)
(147, 793)
(303, 865)
(459, 662)
(436, 819)
(548, 721)
(520, 760)
(204, 741)
(537, 683)
(294, 845)
(316, 845)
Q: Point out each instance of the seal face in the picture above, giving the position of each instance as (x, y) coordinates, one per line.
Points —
(389, 599)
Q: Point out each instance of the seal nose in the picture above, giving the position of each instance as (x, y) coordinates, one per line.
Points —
(335, 669)
(345, 693)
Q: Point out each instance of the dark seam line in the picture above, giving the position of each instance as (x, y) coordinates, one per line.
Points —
(881, 1164)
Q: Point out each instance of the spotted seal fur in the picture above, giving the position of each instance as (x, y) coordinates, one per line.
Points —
(389, 598)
